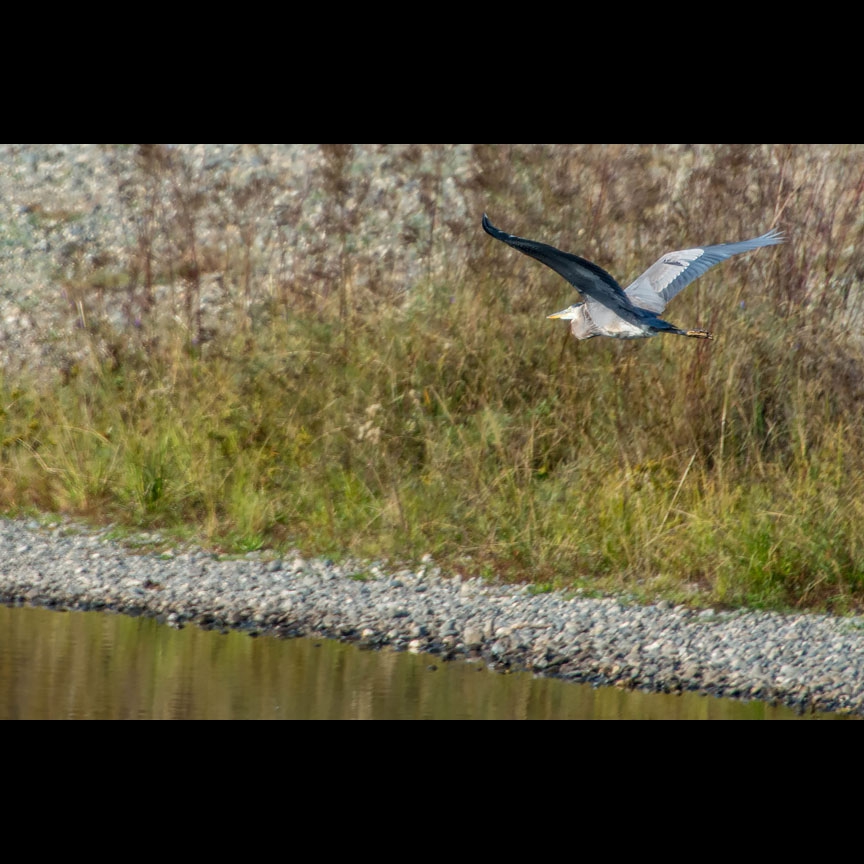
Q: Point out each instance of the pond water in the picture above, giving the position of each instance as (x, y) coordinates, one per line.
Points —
(93, 665)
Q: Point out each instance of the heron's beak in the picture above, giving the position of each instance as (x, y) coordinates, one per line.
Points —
(566, 314)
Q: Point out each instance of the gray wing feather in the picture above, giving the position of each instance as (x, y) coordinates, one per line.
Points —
(676, 270)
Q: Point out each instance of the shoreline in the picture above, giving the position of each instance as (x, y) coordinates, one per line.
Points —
(807, 662)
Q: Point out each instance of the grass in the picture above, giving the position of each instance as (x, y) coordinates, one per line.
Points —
(454, 420)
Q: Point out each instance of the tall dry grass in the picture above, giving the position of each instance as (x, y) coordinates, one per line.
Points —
(383, 380)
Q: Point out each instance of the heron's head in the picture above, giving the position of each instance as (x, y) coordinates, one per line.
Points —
(569, 313)
(581, 325)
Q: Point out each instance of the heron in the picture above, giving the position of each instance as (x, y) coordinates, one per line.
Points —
(631, 313)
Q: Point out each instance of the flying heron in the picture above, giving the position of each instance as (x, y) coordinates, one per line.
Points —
(632, 313)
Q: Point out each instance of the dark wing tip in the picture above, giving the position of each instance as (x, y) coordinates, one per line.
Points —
(490, 229)
(498, 234)
(504, 237)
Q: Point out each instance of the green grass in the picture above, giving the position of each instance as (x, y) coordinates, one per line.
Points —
(600, 471)
(457, 421)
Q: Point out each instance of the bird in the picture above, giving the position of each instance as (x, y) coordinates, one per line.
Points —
(631, 313)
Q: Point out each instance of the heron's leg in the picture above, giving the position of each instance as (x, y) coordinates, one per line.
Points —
(661, 326)
(658, 325)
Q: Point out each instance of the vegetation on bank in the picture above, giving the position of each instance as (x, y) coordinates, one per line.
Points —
(344, 412)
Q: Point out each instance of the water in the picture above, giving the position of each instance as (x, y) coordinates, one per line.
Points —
(89, 665)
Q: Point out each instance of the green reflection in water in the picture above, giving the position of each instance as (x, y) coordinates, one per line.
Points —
(92, 665)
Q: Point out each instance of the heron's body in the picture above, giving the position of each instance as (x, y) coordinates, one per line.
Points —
(633, 313)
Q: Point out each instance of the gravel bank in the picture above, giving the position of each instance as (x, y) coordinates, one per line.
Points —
(808, 662)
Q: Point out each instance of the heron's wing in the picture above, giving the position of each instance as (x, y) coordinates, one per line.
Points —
(675, 270)
(587, 278)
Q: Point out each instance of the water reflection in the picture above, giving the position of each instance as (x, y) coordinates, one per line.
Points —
(92, 665)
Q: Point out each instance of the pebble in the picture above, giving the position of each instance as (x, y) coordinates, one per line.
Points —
(808, 662)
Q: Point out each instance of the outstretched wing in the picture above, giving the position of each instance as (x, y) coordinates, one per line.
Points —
(585, 277)
(675, 270)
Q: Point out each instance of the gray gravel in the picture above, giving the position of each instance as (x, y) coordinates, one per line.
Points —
(75, 214)
(808, 662)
